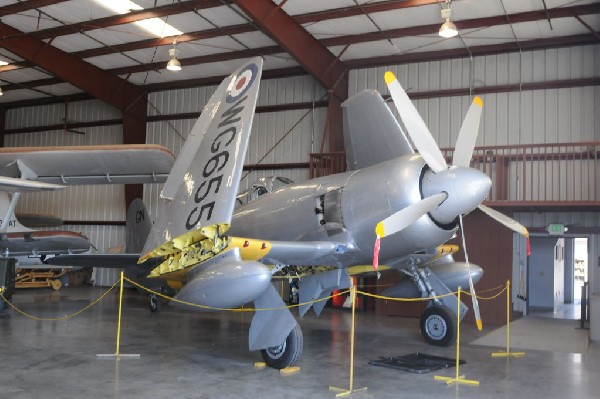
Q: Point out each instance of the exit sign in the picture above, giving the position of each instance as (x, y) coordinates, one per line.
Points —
(555, 229)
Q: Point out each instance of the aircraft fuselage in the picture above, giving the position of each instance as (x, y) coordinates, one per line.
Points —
(345, 208)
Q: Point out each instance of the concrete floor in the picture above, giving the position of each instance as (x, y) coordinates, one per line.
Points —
(193, 355)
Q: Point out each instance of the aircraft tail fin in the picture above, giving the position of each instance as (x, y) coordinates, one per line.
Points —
(199, 195)
(371, 133)
(137, 226)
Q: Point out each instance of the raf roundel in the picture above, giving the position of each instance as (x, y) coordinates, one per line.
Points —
(243, 82)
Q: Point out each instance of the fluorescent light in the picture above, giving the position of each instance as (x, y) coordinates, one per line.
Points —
(2, 63)
(156, 26)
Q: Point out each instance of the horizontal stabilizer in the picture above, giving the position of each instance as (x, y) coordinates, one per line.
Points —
(109, 261)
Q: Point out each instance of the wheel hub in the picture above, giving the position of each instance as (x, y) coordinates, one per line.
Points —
(435, 326)
(275, 352)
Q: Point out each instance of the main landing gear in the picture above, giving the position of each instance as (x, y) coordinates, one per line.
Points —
(286, 354)
(438, 321)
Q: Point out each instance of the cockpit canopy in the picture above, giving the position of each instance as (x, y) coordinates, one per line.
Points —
(263, 186)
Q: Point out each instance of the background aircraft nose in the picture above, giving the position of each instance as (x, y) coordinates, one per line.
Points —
(466, 189)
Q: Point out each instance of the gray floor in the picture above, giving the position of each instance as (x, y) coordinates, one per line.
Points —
(192, 355)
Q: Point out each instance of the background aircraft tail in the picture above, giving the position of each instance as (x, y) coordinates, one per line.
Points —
(137, 227)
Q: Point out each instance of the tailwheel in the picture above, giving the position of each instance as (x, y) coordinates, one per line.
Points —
(153, 303)
(438, 326)
(286, 354)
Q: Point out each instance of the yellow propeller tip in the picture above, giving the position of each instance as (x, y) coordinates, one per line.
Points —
(479, 325)
(389, 77)
(379, 230)
(477, 100)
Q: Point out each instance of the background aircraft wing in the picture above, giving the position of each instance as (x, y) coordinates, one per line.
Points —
(13, 185)
(371, 132)
(119, 164)
(107, 261)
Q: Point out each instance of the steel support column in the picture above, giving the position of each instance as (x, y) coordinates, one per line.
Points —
(312, 55)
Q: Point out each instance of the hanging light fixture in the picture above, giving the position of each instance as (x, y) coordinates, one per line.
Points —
(174, 64)
(448, 29)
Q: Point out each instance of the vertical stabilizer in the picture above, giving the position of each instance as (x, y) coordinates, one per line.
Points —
(137, 226)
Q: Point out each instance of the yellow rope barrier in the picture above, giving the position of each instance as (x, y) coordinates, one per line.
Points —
(63, 317)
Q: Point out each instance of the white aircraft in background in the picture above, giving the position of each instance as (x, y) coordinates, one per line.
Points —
(219, 253)
(27, 169)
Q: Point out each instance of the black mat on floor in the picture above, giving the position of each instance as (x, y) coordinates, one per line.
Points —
(416, 362)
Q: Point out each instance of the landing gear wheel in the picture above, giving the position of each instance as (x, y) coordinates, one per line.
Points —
(438, 326)
(286, 354)
(153, 303)
(56, 284)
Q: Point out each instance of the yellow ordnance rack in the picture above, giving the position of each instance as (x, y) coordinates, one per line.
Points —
(34, 278)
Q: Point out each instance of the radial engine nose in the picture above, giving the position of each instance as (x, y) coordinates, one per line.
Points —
(466, 189)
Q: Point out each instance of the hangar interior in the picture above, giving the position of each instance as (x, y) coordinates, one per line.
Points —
(86, 72)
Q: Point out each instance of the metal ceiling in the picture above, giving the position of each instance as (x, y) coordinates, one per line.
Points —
(76, 48)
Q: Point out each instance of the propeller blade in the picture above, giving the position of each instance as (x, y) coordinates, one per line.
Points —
(467, 136)
(471, 287)
(407, 216)
(415, 126)
(505, 220)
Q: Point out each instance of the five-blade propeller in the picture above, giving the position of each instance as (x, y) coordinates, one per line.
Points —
(433, 157)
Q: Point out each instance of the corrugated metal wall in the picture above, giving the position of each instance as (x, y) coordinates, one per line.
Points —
(539, 116)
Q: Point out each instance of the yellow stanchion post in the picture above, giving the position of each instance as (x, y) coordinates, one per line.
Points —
(345, 392)
(118, 355)
(459, 379)
(508, 353)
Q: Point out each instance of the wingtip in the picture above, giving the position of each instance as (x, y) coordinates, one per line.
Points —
(479, 325)
(389, 77)
(477, 100)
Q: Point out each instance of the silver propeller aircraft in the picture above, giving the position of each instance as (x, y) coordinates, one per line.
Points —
(220, 253)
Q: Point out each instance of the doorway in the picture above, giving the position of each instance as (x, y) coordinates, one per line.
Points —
(558, 268)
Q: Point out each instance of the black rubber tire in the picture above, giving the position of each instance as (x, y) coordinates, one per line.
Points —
(438, 326)
(154, 306)
(286, 354)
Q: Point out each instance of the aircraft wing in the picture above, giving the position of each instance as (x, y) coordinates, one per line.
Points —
(101, 164)
(291, 252)
(13, 185)
(209, 167)
(108, 261)
(43, 243)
